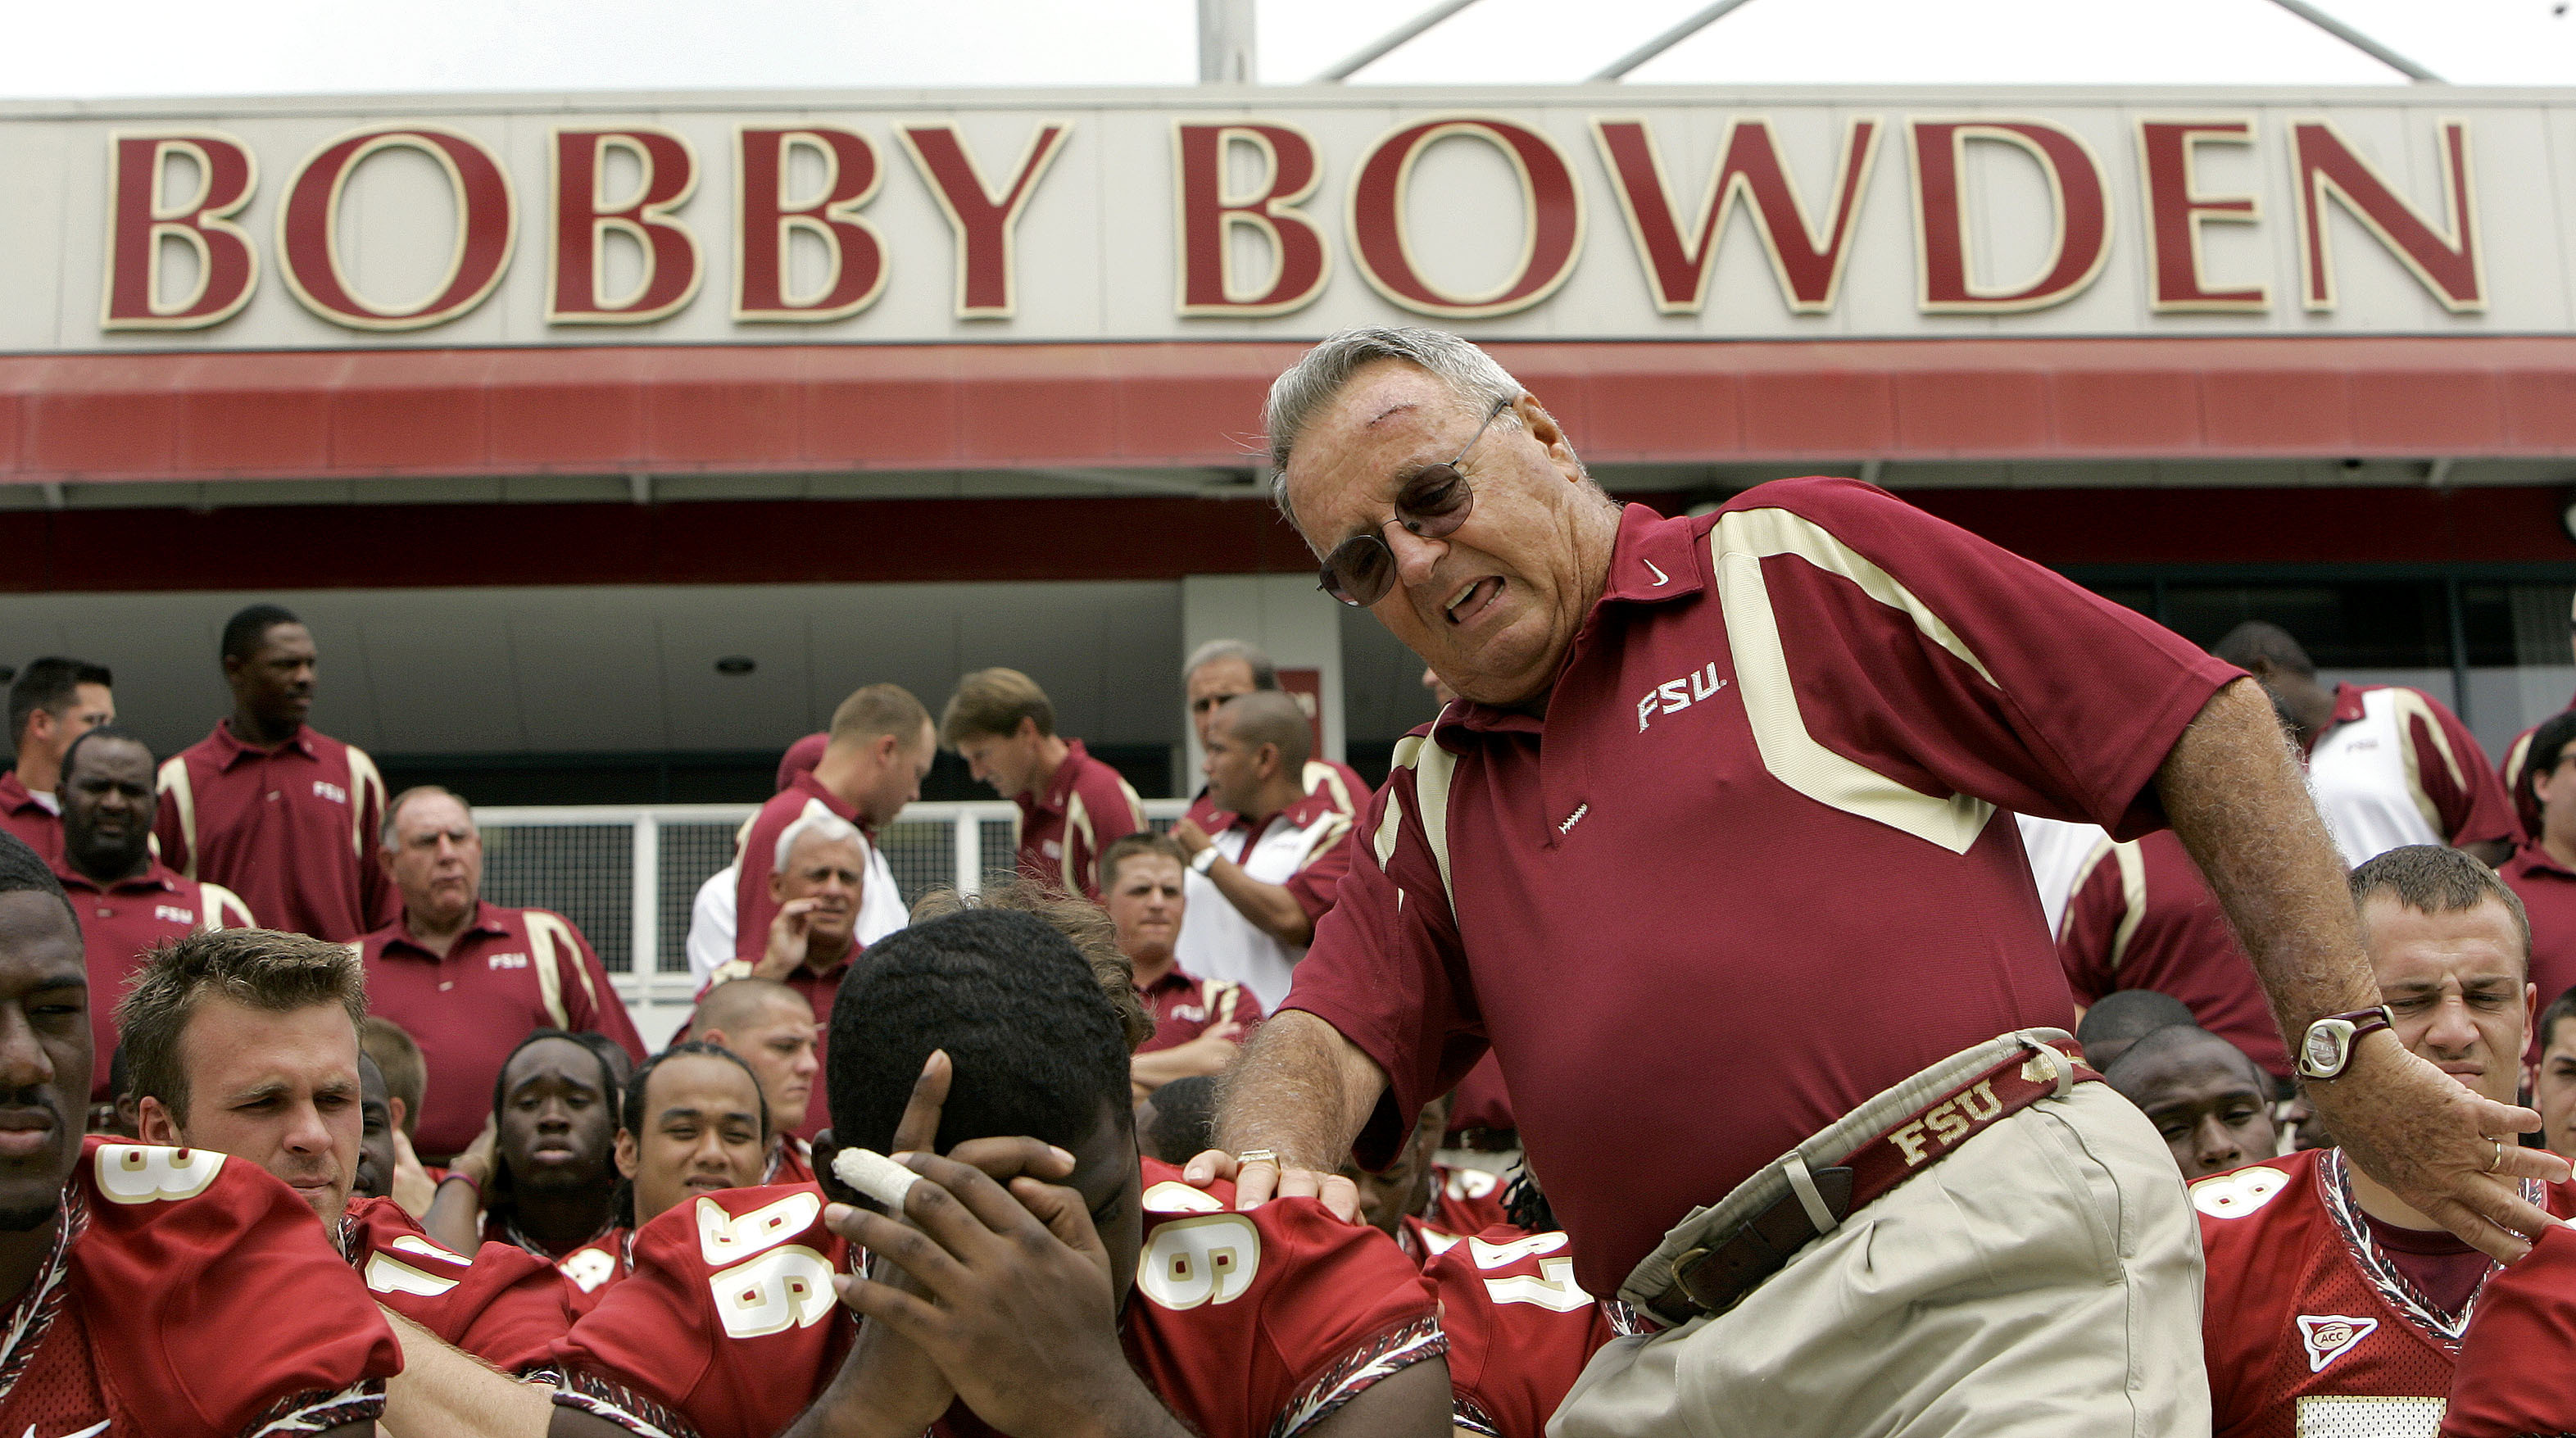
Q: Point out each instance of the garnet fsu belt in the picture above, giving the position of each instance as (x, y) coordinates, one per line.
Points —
(1718, 1254)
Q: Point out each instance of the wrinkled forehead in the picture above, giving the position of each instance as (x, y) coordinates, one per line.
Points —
(814, 850)
(2411, 946)
(1390, 416)
(553, 1061)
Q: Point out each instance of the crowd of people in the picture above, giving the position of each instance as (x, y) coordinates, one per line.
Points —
(1498, 1101)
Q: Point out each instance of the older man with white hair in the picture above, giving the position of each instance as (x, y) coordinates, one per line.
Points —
(467, 979)
(1709, 854)
(817, 874)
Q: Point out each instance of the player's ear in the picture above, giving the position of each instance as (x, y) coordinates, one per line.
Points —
(629, 1156)
(400, 1110)
(154, 1123)
(825, 1150)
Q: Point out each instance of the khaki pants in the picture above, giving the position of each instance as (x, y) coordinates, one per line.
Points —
(2045, 1279)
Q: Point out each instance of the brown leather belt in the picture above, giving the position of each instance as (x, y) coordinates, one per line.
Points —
(1714, 1278)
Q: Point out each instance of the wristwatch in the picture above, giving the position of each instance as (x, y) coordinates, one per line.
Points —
(1203, 860)
(2327, 1047)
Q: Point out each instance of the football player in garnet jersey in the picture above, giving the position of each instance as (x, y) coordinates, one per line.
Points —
(694, 1121)
(2329, 1301)
(149, 1290)
(2207, 1097)
(245, 1042)
(1043, 1278)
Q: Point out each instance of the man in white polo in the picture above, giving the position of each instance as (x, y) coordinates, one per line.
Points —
(1256, 888)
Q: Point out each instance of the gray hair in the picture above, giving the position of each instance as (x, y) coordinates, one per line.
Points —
(1265, 675)
(829, 827)
(1322, 372)
(393, 812)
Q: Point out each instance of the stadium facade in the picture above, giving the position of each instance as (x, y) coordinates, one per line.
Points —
(607, 440)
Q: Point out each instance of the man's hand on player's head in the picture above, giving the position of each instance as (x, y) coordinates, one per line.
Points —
(1019, 1314)
(2450, 1154)
(1258, 1182)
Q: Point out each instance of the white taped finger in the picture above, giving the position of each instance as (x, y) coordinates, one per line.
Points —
(875, 1175)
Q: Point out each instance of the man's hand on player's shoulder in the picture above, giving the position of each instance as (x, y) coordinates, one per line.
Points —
(2449, 1153)
(1260, 1181)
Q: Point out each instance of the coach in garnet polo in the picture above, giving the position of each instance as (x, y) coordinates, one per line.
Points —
(1712, 854)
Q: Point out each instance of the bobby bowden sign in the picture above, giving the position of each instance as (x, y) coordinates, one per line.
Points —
(1591, 213)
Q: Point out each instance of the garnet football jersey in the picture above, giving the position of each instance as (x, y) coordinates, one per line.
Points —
(1248, 1325)
(1469, 1200)
(2512, 1375)
(1520, 1329)
(504, 1305)
(2310, 1330)
(589, 1271)
(190, 1296)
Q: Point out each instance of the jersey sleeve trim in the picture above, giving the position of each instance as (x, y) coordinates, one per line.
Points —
(611, 1402)
(223, 909)
(1433, 769)
(1738, 544)
(541, 937)
(2415, 718)
(1383, 1356)
(360, 1402)
(364, 782)
(2133, 899)
(175, 785)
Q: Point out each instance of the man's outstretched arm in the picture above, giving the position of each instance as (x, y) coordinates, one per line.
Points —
(1302, 1091)
(2237, 800)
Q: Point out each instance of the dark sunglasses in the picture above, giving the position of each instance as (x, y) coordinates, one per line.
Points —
(1432, 504)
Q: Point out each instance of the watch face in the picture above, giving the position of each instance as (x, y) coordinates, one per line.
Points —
(2325, 1044)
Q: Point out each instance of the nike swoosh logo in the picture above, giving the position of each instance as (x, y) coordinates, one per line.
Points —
(92, 1431)
(1661, 578)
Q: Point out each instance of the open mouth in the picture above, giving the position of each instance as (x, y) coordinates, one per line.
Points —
(1473, 598)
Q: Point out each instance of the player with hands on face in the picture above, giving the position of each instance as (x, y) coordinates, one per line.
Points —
(1042, 1278)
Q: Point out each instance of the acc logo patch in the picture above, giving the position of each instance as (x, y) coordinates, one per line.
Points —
(2329, 1336)
(2234, 1195)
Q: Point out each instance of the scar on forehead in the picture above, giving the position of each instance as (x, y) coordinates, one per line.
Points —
(1397, 408)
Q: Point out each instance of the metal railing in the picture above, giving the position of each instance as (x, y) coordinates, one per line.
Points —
(626, 875)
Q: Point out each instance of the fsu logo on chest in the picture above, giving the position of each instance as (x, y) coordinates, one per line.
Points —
(1675, 695)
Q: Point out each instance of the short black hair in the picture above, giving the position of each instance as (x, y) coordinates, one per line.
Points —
(2174, 1036)
(22, 872)
(2548, 745)
(1184, 1119)
(1525, 1204)
(104, 733)
(623, 1203)
(50, 684)
(498, 1196)
(2561, 1007)
(1034, 1045)
(2257, 639)
(248, 628)
(2128, 1015)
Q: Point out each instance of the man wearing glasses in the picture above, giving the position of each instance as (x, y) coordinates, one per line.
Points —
(1722, 787)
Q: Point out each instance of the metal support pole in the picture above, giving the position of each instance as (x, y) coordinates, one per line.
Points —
(1226, 43)
(969, 840)
(645, 928)
(2361, 42)
(1618, 69)
(1392, 41)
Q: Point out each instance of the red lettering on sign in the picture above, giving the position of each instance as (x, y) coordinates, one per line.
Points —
(855, 261)
(986, 224)
(2176, 211)
(2445, 260)
(1807, 261)
(2082, 225)
(1209, 215)
(1551, 218)
(584, 217)
(308, 241)
(139, 224)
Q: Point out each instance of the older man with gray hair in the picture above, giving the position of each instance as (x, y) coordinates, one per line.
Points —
(817, 875)
(467, 979)
(1223, 669)
(1709, 855)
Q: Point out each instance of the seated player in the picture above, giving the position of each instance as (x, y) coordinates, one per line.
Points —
(405, 1075)
(1520, 1328)
(1123, 1304)
(1426, 1207)
(2329, 1300)
(546, 1181)
(694, 1122)
(181, 1294)
(772, 1028)
(2211, 1101)
(245, 1042)
(1178, 1120)
(2123, 1017)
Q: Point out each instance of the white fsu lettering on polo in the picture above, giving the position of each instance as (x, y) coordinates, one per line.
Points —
(1217, 941)
(2364, 775)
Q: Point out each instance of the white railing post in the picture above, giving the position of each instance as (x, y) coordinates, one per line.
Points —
(646, 926)
(967, 834)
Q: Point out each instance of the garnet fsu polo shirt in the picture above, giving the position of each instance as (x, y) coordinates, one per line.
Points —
(293, 830)
(512, 970)
(120, 920)
(23, 815)
(1086, 808)
(1185, 1006)
(2142, 917)
(1750, 868)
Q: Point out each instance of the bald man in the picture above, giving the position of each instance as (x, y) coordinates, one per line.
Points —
(770, 1027)
(1256, 888)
